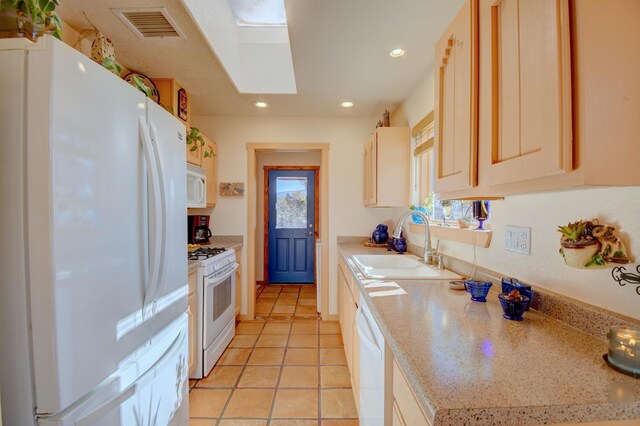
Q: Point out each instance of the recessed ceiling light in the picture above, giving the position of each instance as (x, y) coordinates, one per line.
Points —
(260, 104)
(396, 53)
(346, 104)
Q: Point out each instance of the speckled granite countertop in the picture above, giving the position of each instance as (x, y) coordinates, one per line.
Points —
(470, 366)
(227, 241)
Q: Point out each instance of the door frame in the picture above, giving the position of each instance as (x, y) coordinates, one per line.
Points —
(316, 209)
(249, 287)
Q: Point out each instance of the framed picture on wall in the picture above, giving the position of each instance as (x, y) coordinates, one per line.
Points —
(183, 105)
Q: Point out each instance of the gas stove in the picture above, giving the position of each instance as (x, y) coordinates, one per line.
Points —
(205, 253)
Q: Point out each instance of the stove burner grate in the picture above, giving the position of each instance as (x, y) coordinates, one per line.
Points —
(205, 253)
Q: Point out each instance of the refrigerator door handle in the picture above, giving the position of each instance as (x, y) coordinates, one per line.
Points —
(155, 287)
(154, 211)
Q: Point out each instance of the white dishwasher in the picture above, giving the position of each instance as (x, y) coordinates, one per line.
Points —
(376, 393)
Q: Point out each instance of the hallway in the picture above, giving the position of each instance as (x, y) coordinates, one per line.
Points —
(285, 369)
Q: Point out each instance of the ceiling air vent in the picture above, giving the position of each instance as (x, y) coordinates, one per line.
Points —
(151, 22)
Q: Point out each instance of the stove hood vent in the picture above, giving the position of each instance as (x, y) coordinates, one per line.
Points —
(152, 22)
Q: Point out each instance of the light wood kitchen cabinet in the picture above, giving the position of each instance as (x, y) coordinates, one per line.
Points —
(531, 59)
(194, 157)
(547, 120)
(210, 166)
(348, 304)
(406, 409)
(168, 91)
(386, 168)
(601, 113)
(192, 313)
(456, 109)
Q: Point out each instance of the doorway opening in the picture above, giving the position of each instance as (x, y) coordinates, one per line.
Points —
(289, 189)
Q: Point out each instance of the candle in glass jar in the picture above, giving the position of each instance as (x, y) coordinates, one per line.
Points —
(624, 348)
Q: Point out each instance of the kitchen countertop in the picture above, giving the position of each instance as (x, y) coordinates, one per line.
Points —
(469, 365)
(230, 242)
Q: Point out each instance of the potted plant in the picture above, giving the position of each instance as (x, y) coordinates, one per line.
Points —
(35, 17)
(578, 247)
(195, 139)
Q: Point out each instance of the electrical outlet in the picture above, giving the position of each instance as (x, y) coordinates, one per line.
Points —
(518, 239)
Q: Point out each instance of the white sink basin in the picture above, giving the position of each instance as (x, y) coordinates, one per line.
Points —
(400, 267)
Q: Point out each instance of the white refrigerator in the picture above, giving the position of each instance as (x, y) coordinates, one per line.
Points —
(93, 271)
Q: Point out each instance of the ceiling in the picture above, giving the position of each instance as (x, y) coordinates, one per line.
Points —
(340, 52)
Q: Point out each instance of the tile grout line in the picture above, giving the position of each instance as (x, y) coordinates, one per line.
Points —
(284, 356)
(233, 389)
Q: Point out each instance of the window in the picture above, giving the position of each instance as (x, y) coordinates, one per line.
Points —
(423, 178)
(422, 135)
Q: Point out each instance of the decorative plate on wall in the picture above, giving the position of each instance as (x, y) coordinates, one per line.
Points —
(147, 82)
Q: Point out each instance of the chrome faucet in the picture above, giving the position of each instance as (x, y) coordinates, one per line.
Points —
(428, 251)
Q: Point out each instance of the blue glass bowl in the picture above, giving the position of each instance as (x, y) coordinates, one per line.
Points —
(513, 309)
(478, 290)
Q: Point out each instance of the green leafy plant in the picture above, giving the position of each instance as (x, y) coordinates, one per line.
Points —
(112, 66)
(429, 201)
(138, 83)
(44, 19)
(573, 231)
(209, 153)
(195, 139)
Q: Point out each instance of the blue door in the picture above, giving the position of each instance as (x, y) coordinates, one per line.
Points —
(291, 226)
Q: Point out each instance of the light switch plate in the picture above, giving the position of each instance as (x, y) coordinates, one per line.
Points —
(517, 239)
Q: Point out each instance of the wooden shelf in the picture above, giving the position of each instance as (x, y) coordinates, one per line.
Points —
(465, 236)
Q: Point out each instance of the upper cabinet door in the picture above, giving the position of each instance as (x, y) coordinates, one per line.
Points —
(455, 111)
(210, 166)
(532, 135)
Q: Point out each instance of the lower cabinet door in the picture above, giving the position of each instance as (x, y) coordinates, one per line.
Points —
(396, 417)
(192, 312)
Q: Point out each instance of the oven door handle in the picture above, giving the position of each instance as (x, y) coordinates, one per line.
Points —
(225, 273)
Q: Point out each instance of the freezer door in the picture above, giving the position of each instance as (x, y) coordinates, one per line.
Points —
(151, 389)
(168, 295)
(87, 223)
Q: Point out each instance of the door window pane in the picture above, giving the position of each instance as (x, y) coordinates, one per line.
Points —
(291, 203)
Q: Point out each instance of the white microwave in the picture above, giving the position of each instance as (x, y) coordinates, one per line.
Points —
(196, 187)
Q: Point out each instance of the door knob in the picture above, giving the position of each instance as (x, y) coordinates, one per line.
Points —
(310, 233)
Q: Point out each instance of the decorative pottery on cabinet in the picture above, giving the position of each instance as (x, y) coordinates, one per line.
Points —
(102, 48)
(380, 234)
(587, 244)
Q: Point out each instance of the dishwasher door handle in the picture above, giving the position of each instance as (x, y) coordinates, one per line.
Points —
(366, 336)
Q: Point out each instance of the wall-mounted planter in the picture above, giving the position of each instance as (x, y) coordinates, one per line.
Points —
(589, 245)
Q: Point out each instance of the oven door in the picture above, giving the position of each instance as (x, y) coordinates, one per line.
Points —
(219, 303)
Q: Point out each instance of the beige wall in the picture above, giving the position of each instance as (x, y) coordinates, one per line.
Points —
(346, 136)
(275, 159)
(618, 206)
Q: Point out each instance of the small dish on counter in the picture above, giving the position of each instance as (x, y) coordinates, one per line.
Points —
(456, 285)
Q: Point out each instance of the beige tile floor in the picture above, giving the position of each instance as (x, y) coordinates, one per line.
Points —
(287, 368)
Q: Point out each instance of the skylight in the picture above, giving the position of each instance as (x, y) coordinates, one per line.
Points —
(259, 12)
(251, 40)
